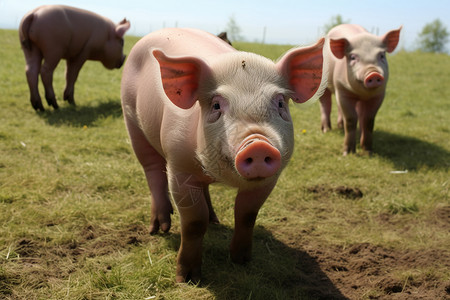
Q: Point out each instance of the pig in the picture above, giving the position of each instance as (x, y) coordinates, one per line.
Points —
(358, 74)
(55, 32)
(198, 112)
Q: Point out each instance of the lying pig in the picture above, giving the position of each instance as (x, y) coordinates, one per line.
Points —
(53, 32)
(358, 73)
(197, 112)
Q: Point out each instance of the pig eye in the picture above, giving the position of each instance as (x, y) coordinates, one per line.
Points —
(353, 57)
(383, 56)
(218, 103)
(281, 107)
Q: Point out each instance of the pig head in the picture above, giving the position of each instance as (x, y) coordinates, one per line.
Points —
(53, 32)
(198, 112)
(358, 74)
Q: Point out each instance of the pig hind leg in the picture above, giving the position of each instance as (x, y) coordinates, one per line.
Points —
(340, 118)
(212, 215)
(325, 110)
(33, 60)
(155, 172)
(47, 70)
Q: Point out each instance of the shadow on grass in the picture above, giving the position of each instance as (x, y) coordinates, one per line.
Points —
(276, 271)
(83, 115)
(409, 153)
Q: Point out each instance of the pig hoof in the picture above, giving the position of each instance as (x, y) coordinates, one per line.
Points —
(38, 107)
(326, 126)
(156, 225)
(193, 277)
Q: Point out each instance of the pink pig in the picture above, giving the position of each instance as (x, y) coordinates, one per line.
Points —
(358, 73)
(54, 32)
(198, 112)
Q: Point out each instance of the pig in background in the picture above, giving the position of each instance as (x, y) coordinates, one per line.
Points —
(198, 112)
(358, 74)
(53, 32)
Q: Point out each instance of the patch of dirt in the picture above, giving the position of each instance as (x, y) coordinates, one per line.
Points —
(347, 192)
(370, 271)
(442, 214)
(367, 271)
(39, 262)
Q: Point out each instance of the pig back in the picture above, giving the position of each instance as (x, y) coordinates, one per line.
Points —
(68, 30)
(184, 42)
(345, 31)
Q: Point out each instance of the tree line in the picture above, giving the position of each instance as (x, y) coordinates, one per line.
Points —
(433, 37)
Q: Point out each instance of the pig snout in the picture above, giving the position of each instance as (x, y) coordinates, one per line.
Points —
(373, 80)
(257, 158)
(120, 62)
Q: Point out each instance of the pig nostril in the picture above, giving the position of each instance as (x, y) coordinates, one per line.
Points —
(249, 160)
(268, 159)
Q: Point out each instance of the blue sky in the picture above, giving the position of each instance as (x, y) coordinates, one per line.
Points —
(296, 22)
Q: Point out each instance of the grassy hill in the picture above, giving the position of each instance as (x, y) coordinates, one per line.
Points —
(75, 207)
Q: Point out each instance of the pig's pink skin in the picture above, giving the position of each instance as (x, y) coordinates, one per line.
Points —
(191, 103)
(358, 73)
(53, 32)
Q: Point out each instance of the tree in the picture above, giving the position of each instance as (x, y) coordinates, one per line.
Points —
(233, 30)
(334, 21)
(433, 37)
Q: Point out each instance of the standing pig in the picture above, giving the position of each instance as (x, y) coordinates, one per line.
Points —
(358, 73)
(53, 32)
(198, 112)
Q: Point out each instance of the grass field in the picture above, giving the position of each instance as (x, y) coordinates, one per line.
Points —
(75, 207)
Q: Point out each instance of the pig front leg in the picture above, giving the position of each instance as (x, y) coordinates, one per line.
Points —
(73, 68)
(350, 116)
(367, 111)
(246, 210)
(189, 195)
(325, 110)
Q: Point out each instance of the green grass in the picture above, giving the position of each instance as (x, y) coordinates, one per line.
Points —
(75, 207)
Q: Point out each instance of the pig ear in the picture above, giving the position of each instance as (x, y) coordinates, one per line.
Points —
(391, 39)
(180, 77)
(123, 26)
(338, 47)
(305, 70)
